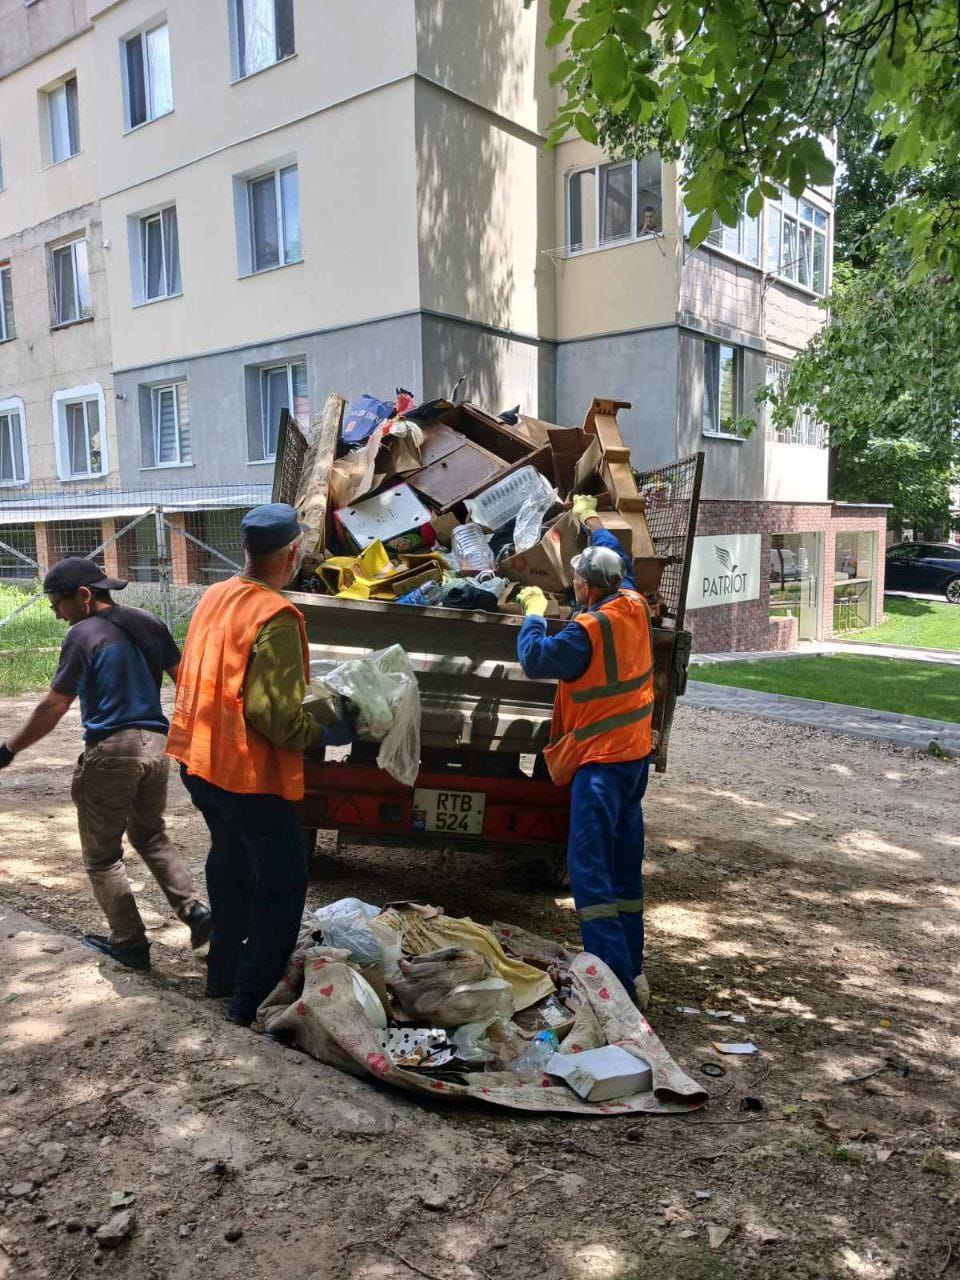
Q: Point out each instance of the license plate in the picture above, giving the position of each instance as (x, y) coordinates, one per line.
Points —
(459, 812)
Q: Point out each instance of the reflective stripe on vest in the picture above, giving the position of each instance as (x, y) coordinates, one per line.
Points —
(620, 675)
(208, 730)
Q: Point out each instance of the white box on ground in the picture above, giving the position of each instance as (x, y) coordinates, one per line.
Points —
(598, 1075)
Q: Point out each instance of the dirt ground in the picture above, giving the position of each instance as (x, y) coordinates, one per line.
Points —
(806, 881)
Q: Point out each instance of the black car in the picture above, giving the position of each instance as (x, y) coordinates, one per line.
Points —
(930, 568)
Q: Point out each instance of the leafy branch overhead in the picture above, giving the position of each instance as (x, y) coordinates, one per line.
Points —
(750, 89)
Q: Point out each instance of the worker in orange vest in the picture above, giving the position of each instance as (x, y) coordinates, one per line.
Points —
(600, 741)
(239, 731)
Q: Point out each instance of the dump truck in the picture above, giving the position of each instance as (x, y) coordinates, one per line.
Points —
(483, 781)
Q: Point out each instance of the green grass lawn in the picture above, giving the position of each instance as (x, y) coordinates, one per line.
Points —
(924, 624)
(886, 684)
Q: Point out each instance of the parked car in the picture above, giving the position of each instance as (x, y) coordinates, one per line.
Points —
(932, 568)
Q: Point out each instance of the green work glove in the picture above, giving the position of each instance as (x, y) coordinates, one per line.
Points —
(584, 506)
(533, 602)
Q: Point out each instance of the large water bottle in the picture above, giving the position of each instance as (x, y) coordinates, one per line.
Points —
(471, 548)
(429, 593)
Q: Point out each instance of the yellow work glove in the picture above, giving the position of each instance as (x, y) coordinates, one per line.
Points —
(584, 506)
(532, 602)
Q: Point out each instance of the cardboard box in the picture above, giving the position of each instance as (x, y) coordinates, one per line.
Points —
(509, 604)
(647, 573)
(547, 565)
(382, 517)
(597, 1075)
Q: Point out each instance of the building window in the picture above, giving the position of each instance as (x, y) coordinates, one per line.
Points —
(262, 34)
(853, 575)
(804, 429)
(796, 242)
(722, 389)
(71, 283)
(159, 255)
(63, 119)
(743, 240)
(165, 425)
(149, 86)
(13, 443)
(269, 220)
(270, 389)
(614, 203)
(7, 327)
(79, 426)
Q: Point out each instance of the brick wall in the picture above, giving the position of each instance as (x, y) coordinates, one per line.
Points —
(747, 626)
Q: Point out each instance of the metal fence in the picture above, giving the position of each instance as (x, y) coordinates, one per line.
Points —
(169, 544)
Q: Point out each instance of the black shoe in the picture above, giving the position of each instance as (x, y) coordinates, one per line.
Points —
(217, 990)
(135, 957)
(201, 925)
(238, 1021)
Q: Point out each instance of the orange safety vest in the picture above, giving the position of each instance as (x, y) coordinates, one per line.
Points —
(209, 732)
(604, 717)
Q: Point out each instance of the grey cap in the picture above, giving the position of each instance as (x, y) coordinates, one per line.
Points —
(600, 566)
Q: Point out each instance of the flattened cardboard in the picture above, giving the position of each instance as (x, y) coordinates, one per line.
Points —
(384, 516)
(547, 565)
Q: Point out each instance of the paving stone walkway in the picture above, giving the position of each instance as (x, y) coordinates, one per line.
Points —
(914, 732)
(939, 657)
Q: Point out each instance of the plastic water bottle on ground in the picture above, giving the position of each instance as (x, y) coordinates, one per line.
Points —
(531, 1064)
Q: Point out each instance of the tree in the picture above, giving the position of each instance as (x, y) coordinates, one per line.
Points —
(749, 89)
(885, 377)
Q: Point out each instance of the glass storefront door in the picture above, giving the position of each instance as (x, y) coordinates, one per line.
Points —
(854, 566)
(795, 560)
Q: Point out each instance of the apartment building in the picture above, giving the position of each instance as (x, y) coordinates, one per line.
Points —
(214, 211)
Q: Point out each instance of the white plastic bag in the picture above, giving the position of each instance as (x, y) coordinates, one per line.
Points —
(528, 528)
(344, 924)
(383, 687)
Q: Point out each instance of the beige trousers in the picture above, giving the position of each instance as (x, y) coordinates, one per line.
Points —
(120, 785)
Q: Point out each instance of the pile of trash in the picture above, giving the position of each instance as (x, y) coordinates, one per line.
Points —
(444, 505)
(436, 1004)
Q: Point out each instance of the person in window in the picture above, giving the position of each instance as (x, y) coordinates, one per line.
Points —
(648, 221)
(114, 659)
(601, 741)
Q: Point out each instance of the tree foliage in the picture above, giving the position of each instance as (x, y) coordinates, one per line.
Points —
(748, 89)
(885, 376)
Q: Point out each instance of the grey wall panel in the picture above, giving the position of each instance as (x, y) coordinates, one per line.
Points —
(501, 369)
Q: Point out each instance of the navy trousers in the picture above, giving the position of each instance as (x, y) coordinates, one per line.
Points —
(257, 887)
(605, 862)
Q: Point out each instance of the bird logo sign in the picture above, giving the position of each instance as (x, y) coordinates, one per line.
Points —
(731, 582)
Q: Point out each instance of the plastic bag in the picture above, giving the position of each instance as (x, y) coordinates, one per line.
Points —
(528, 528)
(383, 687)
(450, 987)
(344, 924)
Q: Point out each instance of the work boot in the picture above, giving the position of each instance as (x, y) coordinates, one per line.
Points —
(201, 925)
(642, 988)
(134, 957)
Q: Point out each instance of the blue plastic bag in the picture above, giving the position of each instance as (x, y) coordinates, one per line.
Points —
(362, 418)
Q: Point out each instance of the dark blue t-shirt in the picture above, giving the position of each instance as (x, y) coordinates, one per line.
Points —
(115, 662)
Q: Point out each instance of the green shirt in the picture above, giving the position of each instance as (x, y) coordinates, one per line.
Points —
(274, 688)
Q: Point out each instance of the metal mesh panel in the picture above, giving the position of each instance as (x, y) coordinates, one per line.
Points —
(671, 495)
(75, 538)
(291, 451)
(220, 532)
(22, 538)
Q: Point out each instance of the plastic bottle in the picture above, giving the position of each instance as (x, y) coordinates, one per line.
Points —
(531, 1064)
(429, 593)
(471, 548)
(498, 505)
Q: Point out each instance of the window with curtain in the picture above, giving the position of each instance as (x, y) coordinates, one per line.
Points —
(274, 217)
(12, 445)
(71, 283)
(149, 78)
(171, 439)
(63, 119)
(160, 254)
(722, 379)
(263, 33)
(282, 387)
(7, 327)
(614, 203)
(83, 455)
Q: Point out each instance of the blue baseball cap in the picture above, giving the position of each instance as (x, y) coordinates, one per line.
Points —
(270, 527)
